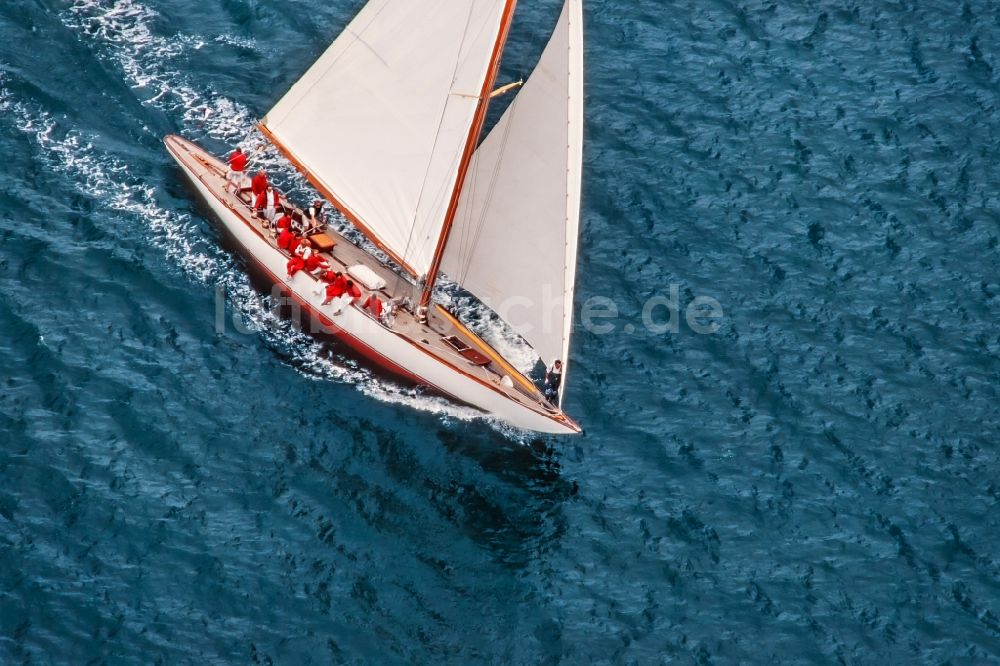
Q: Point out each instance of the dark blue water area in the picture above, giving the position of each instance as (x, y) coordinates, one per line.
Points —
(815, 482)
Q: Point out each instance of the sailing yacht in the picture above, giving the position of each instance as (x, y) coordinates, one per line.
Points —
(387, 126)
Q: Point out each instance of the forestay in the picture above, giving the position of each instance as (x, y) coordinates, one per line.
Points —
(514, 241)
(380, 121)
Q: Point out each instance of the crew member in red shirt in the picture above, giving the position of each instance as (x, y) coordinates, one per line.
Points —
(373, 305)
(285, 240)
(284, 222)
(336, 288)
(268, 202)
(258, 184)
(295, 264)
(237, 167)
(353, 291)
(316, 264)
(304, 248)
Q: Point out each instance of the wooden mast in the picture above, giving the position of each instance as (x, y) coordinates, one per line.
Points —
(470, 149)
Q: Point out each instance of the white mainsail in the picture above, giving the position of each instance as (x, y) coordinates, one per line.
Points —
(514, 240)
(381, 120)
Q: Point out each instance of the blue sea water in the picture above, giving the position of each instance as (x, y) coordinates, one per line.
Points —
(815, 482)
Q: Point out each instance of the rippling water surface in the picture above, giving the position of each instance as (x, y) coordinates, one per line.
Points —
(817, 482)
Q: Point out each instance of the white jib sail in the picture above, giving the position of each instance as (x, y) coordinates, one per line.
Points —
(380, 121)
(514, 241)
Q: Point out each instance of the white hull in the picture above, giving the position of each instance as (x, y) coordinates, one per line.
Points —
(389, 348)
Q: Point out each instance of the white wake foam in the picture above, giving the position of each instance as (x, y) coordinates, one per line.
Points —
(105, 179)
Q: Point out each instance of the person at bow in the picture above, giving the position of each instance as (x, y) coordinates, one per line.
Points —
(237, 170)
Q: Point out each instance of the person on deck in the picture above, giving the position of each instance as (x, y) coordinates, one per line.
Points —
(353, 291)
(268, 203)
(284, 222)
(316, 265)
(336, 287)
(351, 295)
(272, 225)
(304, 249)
(295, 264)
(286, 239)
(237, 167)
(553, 379)
(373, 305)
(258, 183)
(313, 218)
(326, 279)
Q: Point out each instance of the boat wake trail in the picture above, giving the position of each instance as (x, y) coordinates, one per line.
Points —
(106, 179)
(121, 34)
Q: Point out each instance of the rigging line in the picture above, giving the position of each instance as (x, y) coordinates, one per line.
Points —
(462, 243)
(464, 248)
(493, 185)
(469, 229)
(468, 152)
(466, 261)
(472, 228)
(437, 134)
